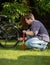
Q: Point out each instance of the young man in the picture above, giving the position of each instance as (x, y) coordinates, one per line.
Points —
(37, 34)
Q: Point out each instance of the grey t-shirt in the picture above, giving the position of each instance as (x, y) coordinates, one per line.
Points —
(39, 30)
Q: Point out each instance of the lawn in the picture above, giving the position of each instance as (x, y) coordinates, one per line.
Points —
(16, 56)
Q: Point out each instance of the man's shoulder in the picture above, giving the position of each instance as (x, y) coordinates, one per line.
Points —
(37, 22)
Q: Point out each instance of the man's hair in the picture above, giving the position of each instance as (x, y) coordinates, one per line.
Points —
(29, 16)
(23, 21)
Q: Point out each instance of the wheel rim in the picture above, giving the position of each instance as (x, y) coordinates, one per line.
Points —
(10, 36)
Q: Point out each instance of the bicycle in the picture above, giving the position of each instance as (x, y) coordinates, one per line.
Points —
(9, 33)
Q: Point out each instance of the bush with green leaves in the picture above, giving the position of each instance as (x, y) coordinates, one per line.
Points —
(14, 10)
(41, 6)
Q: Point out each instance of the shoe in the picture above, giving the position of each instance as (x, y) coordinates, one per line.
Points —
(42, 49)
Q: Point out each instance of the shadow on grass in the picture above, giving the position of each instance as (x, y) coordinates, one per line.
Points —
(19, 47)
(26, 60)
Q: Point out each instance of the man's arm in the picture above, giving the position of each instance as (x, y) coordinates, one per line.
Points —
(28, 32)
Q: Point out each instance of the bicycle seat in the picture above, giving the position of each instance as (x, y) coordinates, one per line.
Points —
(4, 16)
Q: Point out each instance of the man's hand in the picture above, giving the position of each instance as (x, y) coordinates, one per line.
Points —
(24, 31)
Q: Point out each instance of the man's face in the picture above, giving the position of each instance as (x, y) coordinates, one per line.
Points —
(28, 21)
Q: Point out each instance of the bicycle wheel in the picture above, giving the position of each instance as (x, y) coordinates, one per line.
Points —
(10, 36)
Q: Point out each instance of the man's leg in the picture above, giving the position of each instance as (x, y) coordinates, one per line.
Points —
(35, 42)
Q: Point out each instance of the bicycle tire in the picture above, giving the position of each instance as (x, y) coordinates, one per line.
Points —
(10, 35)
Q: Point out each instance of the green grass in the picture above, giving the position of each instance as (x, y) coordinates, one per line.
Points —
(16, 56)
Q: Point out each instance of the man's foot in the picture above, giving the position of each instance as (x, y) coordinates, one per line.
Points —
(42, 49)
